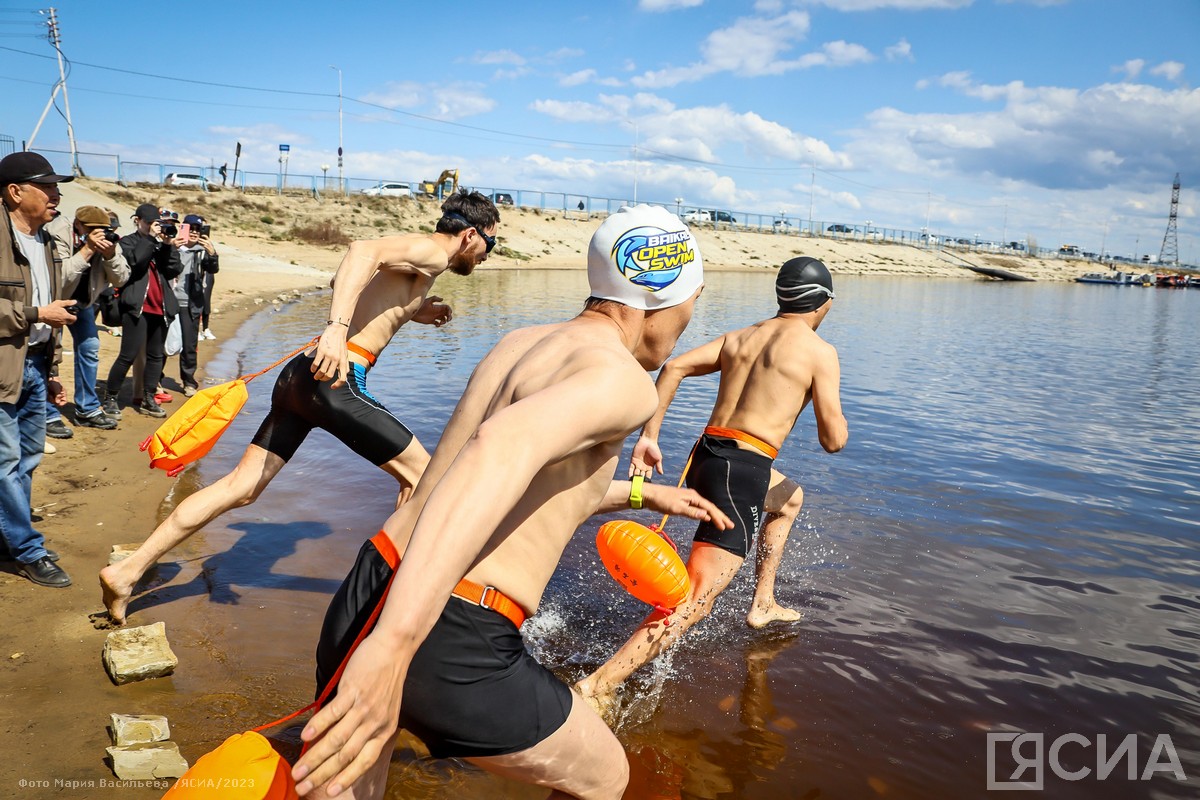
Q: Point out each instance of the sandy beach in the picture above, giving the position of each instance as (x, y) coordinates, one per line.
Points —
(97, 491)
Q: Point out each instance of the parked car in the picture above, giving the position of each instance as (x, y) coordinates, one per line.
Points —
(389, 190)
(782, 226)
(185, 179)
(697, 215)
(502, 199)
(723, 216)
(838, 227)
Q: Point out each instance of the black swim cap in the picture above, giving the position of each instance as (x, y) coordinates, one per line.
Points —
(803, 285)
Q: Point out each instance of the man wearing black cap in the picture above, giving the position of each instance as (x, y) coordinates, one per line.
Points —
(147, 306)
(200, 260)
(31, 314)
(769, 372)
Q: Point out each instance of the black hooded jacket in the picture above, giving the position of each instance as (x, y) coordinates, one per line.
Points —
(140, 250)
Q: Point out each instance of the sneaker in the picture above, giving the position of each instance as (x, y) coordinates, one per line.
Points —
(45, 572)
(208, 334)
(49, 449)
(190, 391)
(110, 409)
(57, 429)
(150, 408)
(162, 397)
(99, 420)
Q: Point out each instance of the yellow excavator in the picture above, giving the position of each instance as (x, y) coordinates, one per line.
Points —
(443, 187)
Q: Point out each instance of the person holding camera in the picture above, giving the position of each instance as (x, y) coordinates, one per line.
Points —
(200, 260)
(92, 263)
(32, 310)
(147, 305)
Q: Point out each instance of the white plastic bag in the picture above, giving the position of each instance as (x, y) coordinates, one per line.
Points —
(174, 344)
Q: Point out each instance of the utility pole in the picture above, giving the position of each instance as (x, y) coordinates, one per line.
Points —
(341, 179)
(635, 162)
(56, 41)
(812, 184)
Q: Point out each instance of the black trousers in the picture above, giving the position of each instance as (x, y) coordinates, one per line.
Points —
(145, 329)
(189, 326)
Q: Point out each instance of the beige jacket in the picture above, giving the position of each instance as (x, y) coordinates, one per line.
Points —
(104, 272)
(17, 316)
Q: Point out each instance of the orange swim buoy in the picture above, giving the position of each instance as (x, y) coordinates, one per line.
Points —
(644, 562)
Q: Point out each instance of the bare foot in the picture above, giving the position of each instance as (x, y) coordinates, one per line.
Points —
(759, 618)
(116, 594)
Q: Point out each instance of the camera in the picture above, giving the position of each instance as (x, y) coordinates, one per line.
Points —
(168, 230)
(111, 235)
(205, 230)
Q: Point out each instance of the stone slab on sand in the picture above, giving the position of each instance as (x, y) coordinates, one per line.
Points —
(130, 729)
(147, 762)
(136, 654)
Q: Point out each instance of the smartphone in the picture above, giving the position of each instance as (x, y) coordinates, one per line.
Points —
(184, 230)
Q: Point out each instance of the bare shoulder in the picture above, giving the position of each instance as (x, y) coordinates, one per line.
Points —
(413, 250)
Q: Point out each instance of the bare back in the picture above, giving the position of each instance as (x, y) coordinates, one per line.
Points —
(525, 396)
(767, 376)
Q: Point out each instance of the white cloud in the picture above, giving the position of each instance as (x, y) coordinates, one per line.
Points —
(563, 53)
(1171, 70)
(1112, 134)
(448, 102)
(903, 5)
(577, 78)
(1132, 68)
(497, 57)
(667, 5)
(900, 51)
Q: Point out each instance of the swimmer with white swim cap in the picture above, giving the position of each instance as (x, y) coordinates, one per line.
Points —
(527, 456)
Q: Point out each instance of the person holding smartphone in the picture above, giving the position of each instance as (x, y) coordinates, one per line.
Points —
(200, 260)
(147, 304)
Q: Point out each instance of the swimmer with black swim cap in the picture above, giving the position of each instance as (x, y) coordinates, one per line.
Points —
(803, 285)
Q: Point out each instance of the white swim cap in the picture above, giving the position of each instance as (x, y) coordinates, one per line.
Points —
(644, 257)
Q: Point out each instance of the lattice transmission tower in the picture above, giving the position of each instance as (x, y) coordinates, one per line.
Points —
(1170, 248)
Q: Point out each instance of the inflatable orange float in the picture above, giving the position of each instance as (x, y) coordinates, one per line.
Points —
(644, 562)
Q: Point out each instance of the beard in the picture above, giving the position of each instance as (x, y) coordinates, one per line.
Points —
(462, 265)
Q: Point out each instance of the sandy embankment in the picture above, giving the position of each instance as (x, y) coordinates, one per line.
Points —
(96, 490)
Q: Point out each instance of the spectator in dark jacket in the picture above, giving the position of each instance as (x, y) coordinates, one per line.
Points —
(147, 306)
(200, 260)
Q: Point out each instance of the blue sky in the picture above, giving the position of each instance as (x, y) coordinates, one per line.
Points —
(1064, 121)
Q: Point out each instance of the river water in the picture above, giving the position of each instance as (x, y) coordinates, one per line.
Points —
(1007, 545)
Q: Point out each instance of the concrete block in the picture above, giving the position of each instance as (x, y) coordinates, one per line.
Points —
(139, 729)
(147, 762)
(136, 654)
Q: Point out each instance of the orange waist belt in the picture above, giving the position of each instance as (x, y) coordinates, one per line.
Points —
(742, 436)
(488, 597)
(362, 351)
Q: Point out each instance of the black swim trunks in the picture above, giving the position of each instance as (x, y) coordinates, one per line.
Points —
(300, 403)
(472, 688)
(736, 481)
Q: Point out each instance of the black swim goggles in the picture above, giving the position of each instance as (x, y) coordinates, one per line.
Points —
(489, 241)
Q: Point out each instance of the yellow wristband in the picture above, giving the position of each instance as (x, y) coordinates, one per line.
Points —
(635, 492)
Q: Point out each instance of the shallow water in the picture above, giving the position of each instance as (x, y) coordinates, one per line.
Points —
(1007, 544)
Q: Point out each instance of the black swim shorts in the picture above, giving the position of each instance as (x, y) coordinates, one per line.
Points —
(300, 403)
(736, 481)
(472, 688)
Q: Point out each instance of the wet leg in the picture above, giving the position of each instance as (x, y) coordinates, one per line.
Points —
(784, 499)
(581, 759)
(239, 488)
(710, 570)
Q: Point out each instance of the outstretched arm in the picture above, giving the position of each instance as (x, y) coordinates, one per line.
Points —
(675, 501)
(417, 255)
(456, 523)
(704, 360)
